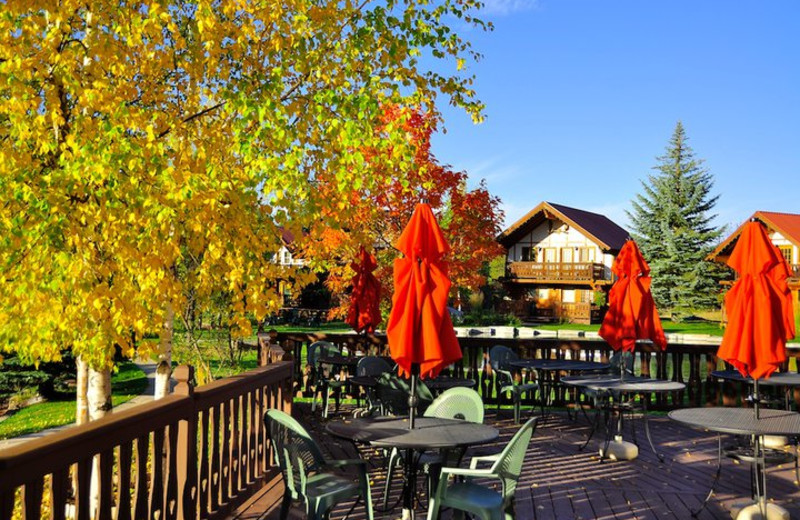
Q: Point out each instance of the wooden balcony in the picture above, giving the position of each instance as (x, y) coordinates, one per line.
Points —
(557, 273)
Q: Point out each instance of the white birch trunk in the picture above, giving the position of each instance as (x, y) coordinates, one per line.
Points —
(82, 391)
(99, 399)
(164, 369)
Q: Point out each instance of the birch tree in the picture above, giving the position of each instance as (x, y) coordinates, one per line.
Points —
(139, 137)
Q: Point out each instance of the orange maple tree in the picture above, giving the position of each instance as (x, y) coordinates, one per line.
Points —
(470, 218)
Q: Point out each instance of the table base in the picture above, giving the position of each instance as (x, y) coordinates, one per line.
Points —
(755, 511)
(619, 450)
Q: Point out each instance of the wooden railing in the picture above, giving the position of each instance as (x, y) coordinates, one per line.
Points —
(197, 453)
(557, 272)
(687, 362)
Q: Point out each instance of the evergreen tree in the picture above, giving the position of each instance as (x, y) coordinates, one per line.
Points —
(672, 224)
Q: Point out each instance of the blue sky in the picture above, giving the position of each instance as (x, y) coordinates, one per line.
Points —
(583, 95)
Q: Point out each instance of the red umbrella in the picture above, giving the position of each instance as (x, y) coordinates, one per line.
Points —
(364, 313)
(631, 312)
(420, 330)
(420, 333)
(759, 306)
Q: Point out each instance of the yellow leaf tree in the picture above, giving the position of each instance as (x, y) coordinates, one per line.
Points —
(152, 148)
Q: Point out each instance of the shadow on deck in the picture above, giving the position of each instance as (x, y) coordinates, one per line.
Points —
(561, 482)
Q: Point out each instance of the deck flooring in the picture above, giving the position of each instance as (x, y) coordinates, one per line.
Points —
(561, 482)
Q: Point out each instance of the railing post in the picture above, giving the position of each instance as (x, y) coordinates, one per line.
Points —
(187, 447)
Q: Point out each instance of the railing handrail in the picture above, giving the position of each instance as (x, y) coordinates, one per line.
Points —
(20, 463)
(223, 418)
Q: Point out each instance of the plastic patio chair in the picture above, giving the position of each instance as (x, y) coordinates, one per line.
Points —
(499, 358)
(372, 366)
(485, 503)
(307, 475)
(322, 374)
(393, 393)
(456, 403)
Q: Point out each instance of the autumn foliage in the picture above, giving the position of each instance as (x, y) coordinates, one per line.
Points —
(470, 218)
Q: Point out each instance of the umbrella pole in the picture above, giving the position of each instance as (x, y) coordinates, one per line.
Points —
(756, 397)
(412, 399)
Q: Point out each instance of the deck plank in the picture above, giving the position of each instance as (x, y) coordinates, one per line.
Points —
(561, 482)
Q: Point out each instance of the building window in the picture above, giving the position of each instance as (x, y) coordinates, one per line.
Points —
(786, 251)
(526, 254)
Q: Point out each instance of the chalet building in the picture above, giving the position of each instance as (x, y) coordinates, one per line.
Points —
(558, 262)
(784, 231)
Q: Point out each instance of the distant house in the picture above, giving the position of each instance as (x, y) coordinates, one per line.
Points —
(557, 259)
(784, 231)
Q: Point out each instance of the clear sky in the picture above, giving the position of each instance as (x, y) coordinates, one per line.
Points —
(583, 95)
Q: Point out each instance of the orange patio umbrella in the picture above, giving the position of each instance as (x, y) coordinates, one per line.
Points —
(759, 306)
(421, 336)
(631, 311)
(364, 313)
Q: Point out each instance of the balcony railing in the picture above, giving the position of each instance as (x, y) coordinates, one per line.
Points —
(197, 453)
(558, 272)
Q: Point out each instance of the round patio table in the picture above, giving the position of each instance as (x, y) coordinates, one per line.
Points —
(629, 384)
(742, 421)
(547, 371)
(428, 433)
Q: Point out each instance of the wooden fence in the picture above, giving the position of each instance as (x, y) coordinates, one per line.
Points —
(195, 454)
(689, 363)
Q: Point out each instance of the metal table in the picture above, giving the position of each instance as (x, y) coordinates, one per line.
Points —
(742, 421)
(547, 371)
(428, 433)
(787, 380)
(629, 384)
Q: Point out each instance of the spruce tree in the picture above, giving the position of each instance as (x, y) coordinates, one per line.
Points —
(672, 224)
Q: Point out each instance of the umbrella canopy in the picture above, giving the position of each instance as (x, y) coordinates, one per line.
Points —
(631, 312)
(364, 313)
(419, 329)
(759, 306)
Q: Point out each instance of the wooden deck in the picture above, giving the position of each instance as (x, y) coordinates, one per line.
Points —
(560, 482)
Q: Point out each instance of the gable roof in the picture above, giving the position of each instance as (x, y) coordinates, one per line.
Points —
(608, 235)
(787, 224)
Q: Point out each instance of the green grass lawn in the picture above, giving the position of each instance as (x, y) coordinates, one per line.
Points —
(126, 384)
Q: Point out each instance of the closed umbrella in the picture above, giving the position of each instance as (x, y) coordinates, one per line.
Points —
(631, 315)
(631, 311)
(759, 307)
(421, 336)
(364, 313)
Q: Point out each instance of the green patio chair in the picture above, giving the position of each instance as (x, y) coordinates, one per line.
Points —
(485, 503)
(393, 393)
(456, 403)
(307, 475)
(499, 358)
(325, 381)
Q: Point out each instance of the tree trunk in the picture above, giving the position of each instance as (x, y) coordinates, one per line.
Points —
(82, 390)
(99, 393)
(164, 369)
(99, 399)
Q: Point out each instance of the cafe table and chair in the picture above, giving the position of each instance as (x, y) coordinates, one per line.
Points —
(429, 433)
(622, 387)
(745, 422)
(548, 372)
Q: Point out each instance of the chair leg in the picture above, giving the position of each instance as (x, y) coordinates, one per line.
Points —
(389, 472)
(517, 405)
(286, 504)
(326, 395)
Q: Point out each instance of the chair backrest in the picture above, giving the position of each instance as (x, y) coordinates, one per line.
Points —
(499, 358)
(457, 403)
(393, 394)
(619, 359)
(319, 349)
(372, 366)
(508, 465)
(297, 453)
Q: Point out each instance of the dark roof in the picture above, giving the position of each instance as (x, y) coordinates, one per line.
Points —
(608, 235)
(787, 224)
